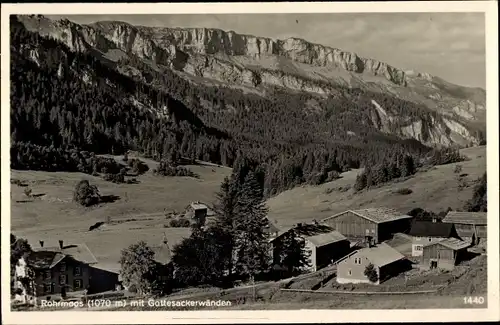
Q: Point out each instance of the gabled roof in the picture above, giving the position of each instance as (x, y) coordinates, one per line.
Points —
(79, 252)
(326, 238)
(377, 215)
(305, 230)
(44, 259)
(431, 229)
(380, 255)
(451, 243)
(198, 206)
(469, 218)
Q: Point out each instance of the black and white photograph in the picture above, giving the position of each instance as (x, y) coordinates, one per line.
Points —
(216, 161)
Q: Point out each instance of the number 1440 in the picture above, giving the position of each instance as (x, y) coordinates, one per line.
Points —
(474, 300)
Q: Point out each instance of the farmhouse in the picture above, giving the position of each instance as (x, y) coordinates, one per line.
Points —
(425, 232)
(386, 261)
(324, 245)
(198, 212)
(443, 254)
(54, 271)
(470, 226)
(369, 225)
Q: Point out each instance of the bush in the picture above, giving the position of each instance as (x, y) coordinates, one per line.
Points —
(458, 169)
(404, 191)
(371, 273)
(166, 169)
(86, 194)
(180, 223)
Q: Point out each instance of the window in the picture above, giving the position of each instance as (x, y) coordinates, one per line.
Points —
(77, 284)
(48, 275)
(349, 272)
(78, 271)
(62, 279)
(418, 248)
(430, 239)
(357, 260)
(63, 267)
(47, 288)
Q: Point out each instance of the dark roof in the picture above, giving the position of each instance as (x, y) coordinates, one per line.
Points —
(307, 230)
(468, 218)
(431, 229)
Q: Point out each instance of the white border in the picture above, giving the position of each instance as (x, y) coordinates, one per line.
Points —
(285, 316)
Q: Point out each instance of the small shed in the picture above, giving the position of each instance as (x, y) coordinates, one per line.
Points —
(371, 224)
(470, 226)
(425, 232)
(197, 211)
(386, 261)
(443, 254)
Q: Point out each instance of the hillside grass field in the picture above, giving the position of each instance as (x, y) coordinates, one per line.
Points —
(138, 214)
(434, 190)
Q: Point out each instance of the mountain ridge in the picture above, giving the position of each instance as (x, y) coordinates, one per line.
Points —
(255, 63)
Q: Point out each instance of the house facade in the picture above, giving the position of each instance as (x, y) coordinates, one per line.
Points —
(372, 225)
(54, 271)
(198, 212)
(425, 232)
(470, 226)
(386, 262)
(443, 254)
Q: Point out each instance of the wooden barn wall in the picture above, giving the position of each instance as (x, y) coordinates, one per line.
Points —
(437, 251)
(481, 231)
(464, 231)
(353, 226)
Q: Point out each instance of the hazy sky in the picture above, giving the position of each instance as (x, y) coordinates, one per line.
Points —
(448, 45)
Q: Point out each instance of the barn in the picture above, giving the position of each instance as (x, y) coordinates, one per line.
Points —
(444, 254)
(386, 261)
(324, 244)
(371, 224)
(470, 226)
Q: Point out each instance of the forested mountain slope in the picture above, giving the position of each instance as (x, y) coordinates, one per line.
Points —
(70, 93)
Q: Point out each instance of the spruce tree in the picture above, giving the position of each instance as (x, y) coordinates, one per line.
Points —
(251, 245)
(225, 216)
(292, 253)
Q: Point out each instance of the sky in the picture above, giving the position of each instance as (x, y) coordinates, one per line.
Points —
(448, 45)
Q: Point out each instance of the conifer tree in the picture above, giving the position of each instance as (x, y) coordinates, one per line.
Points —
(251, 245)
(293, 255)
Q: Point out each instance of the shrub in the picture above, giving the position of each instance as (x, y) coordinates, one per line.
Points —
(371, 273)
(404, 191)
(180, 223)
(86, 194)
(458, 169)
(27, 192)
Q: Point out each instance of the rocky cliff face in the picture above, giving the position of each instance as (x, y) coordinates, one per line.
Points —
(295, 64)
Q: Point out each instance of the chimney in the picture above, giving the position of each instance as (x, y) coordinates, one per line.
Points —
(41, 243)
(61, 244)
